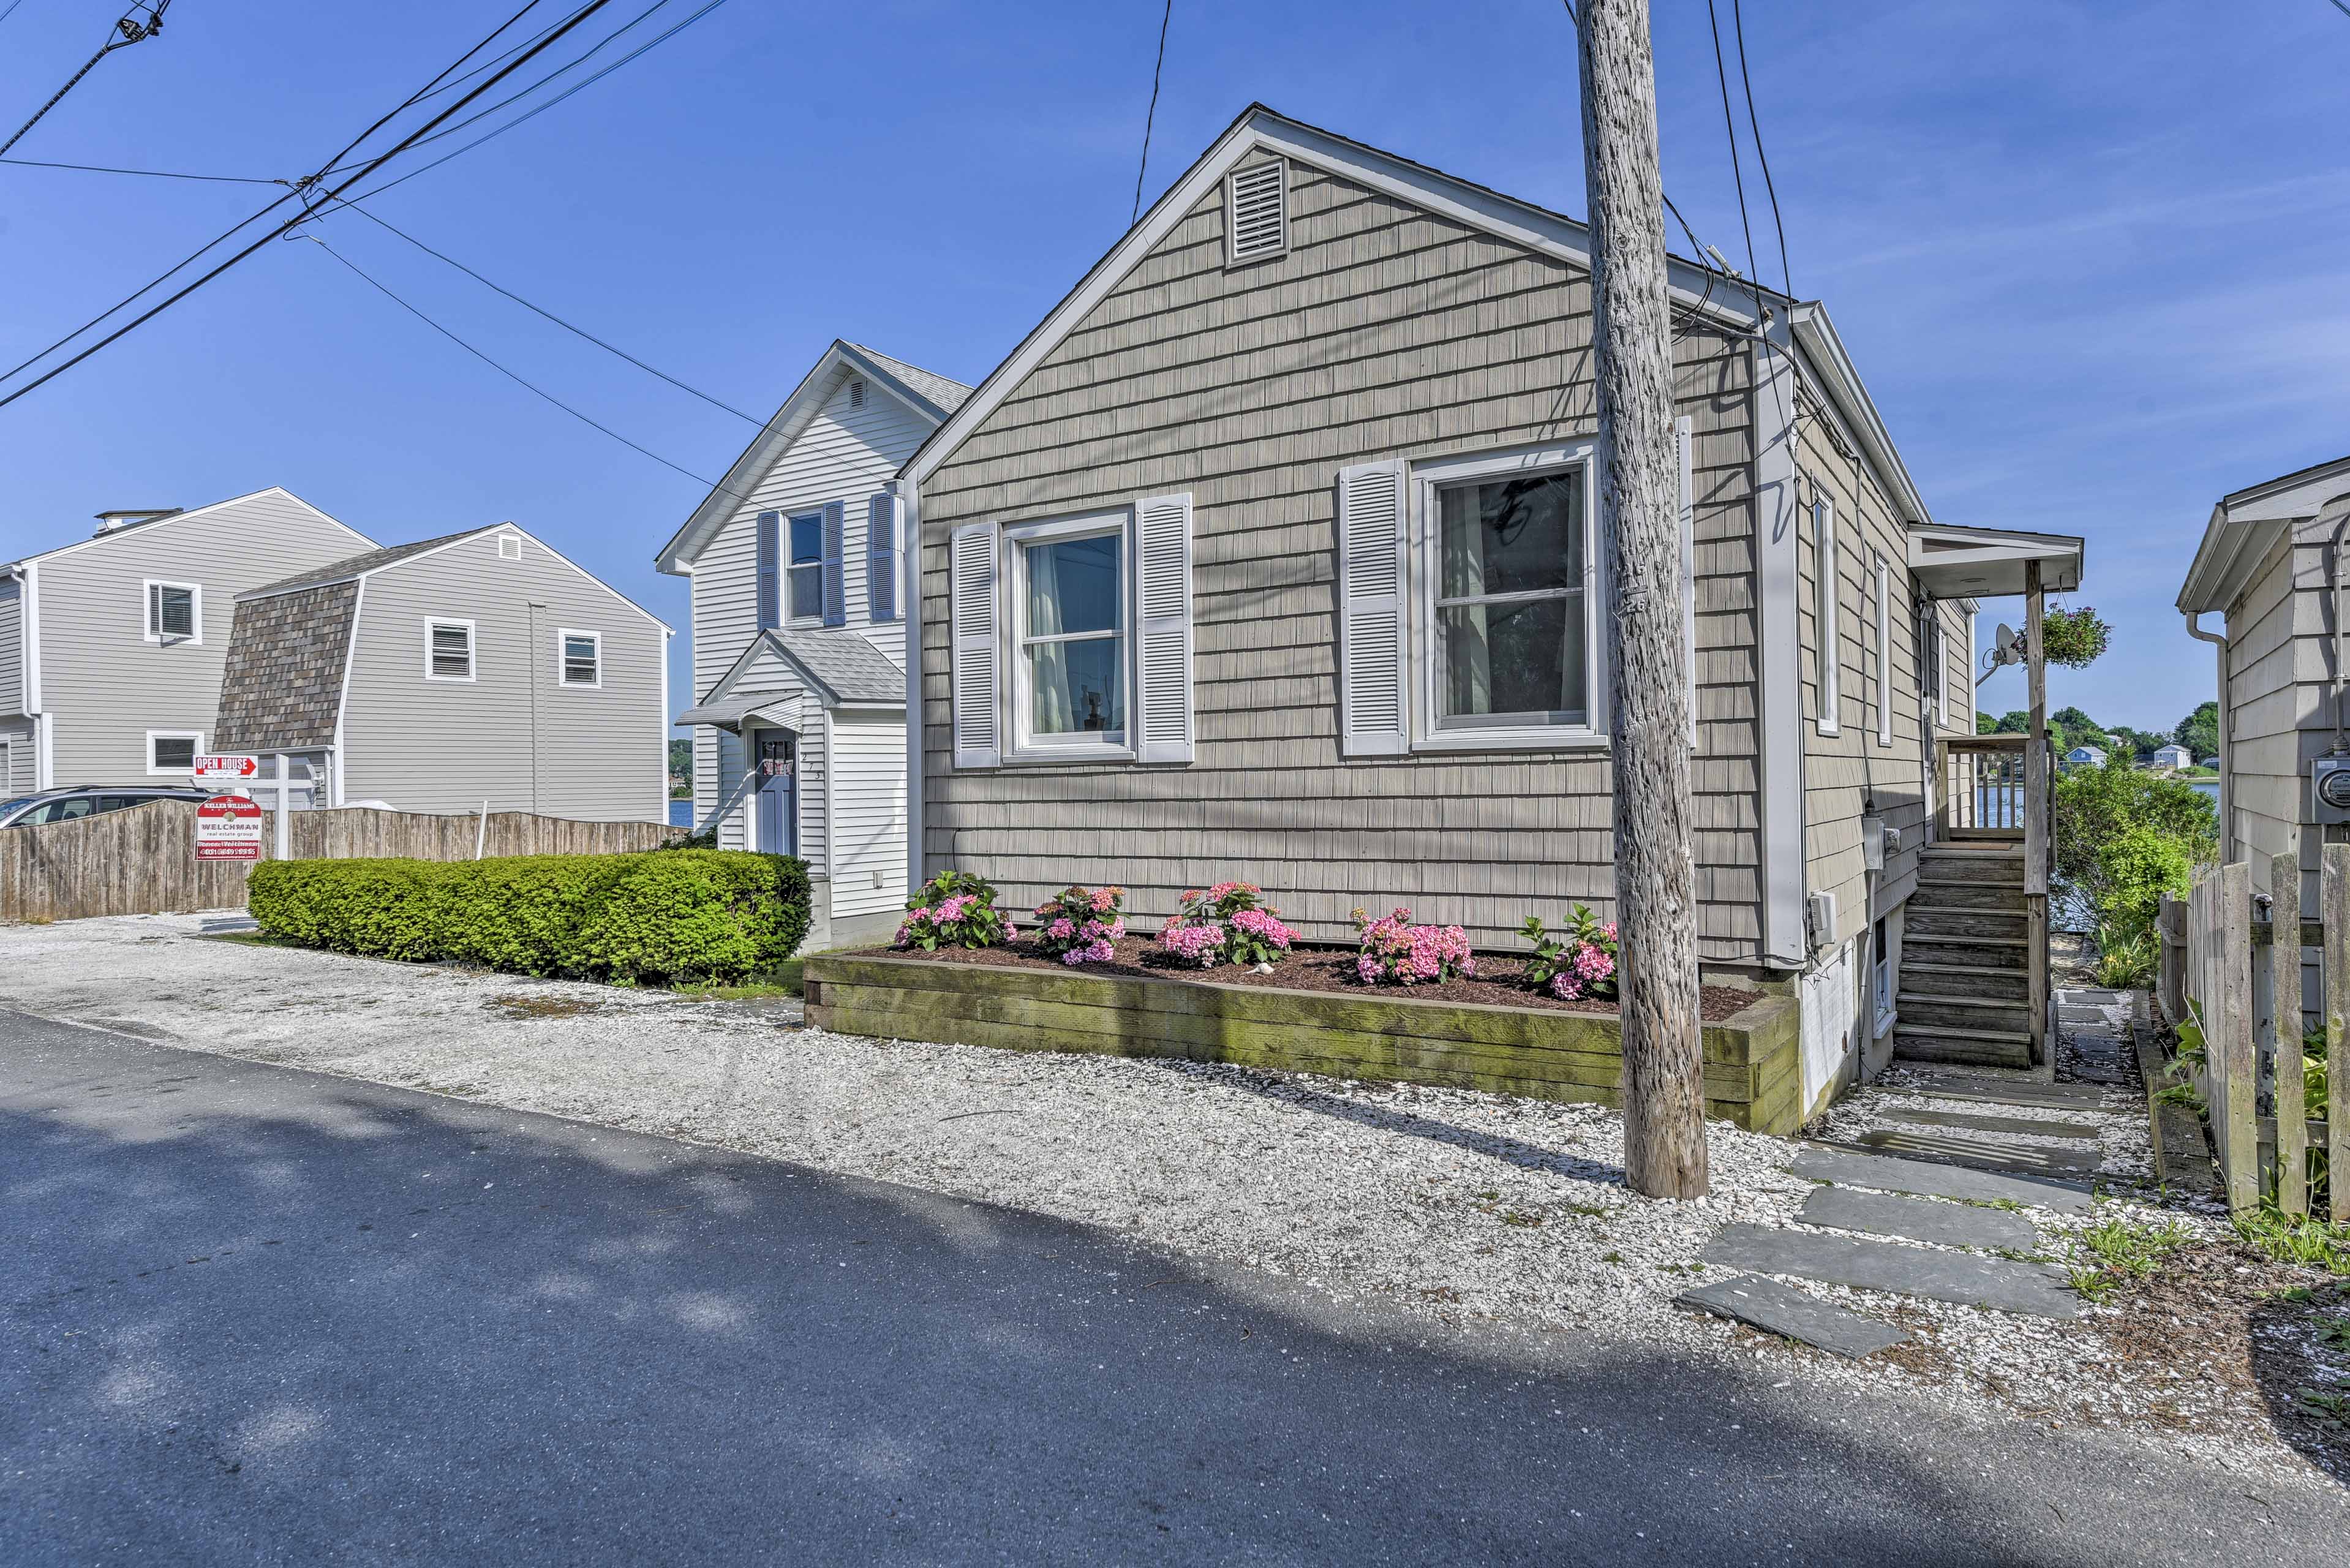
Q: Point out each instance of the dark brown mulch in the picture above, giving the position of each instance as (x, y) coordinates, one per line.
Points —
(1497, 984)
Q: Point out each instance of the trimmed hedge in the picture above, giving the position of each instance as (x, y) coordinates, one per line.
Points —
(661, 916)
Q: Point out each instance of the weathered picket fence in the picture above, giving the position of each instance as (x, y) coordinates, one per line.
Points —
(2239, 971)
(141, 860)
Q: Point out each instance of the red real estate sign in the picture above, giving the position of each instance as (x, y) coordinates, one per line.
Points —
(228, 827)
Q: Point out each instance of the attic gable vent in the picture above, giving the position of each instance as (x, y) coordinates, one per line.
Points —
(509, 547)
(856, 394)
(1257, 223)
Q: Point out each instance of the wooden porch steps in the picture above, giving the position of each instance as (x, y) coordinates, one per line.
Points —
(1966, 996)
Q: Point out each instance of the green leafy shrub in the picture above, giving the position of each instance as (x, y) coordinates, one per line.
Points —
(2074, 638)
(2124, 836)
(955, 909)
(661, 916)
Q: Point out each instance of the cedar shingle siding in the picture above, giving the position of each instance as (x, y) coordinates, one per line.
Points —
(283, 687)
(1385, 332)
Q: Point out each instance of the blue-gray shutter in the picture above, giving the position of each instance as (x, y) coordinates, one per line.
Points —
(881, 556)
(770, 587)
(836, 607)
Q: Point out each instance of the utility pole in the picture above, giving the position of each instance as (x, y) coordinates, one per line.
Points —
(1656, 873)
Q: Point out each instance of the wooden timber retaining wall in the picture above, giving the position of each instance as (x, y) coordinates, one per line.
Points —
(1753, 1073)
(142, 860)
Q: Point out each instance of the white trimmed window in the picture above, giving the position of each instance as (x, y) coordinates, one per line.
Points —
(173, 752)
(1068, 599)
(1826, 598)
(805, 568)
(448, 651)
(1505, 613)
(175, 612)
(579, 657)
(1881, 584)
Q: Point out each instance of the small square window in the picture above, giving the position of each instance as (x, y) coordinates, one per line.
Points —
(172, 754)
(450, 651)
(171, 612)
(583, 658)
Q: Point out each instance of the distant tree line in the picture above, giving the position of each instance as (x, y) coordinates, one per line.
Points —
(2070, 727)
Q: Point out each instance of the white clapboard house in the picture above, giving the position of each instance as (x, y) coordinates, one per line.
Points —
(799, 722)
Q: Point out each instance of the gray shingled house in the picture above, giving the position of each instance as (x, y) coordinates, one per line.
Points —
(480, 666)
(1275, 553)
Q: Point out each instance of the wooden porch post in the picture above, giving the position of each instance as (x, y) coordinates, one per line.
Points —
(2036, 847)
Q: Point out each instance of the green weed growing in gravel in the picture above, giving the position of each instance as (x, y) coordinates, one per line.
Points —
(2335, 1332)
(2121, 1251)
(2301, 1239)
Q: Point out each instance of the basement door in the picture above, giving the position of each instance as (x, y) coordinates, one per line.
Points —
(779, 801)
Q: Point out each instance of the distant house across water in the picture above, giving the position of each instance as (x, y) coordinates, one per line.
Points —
(2173, 755)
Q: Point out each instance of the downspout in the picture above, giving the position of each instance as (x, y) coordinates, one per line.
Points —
(2226, 795)
(2336, 588)
(909, 601)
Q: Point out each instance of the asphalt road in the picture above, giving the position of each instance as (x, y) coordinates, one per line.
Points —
(261, 1315)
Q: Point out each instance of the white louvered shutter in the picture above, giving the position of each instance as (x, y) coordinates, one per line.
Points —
(881, 557)
(1373, 635)
(1163, 647)
(1257, 224)
(836, 586)
(1684, 441)
(973, 649)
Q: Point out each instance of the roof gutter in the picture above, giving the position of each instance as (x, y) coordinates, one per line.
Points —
(2227, 849)
(1816, 336)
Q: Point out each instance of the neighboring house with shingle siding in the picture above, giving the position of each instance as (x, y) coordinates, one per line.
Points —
(799, 724)
(480, 666)
(111, 649)
(1271, 554)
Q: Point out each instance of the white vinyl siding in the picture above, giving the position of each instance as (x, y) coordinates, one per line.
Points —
(103, 684)
(12, 647)
(867, 851)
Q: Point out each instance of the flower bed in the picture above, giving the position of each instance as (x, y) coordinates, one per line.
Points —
(1313, 1012)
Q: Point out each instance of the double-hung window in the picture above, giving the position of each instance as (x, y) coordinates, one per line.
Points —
(1069, 634)
(173, 612)
(806, 565)
(1882, 583)
(581, 657)
(448, 651)
(1507, 628)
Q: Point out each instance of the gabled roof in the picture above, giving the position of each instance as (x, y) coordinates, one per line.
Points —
(1695, 287)
(839, 666)
(148, 529)
(351, 567)
(930, 396)
(2246, 526)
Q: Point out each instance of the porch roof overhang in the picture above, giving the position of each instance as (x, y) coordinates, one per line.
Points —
(730, 712)
(1989, 563)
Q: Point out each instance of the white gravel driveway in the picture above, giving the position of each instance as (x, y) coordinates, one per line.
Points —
(1457, 1204)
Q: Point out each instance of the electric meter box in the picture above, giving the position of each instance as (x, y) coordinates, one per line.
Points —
(2329, 789)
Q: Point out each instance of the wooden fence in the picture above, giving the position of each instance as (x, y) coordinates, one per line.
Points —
(141, 861)
(2240, 976)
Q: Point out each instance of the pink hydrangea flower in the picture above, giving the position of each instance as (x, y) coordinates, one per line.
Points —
(1566, 987)
(1062, 929)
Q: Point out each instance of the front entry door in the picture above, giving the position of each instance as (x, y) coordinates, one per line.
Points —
(779, 815)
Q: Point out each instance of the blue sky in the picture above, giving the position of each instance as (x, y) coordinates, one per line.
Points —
(2088, 257)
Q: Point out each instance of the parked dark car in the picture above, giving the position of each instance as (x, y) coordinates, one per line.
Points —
(85, 800)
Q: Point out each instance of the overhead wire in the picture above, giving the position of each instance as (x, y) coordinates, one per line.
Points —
(1737, 170)
(125, 31)
(576, 331)
(517, 378)
(577, 17)
(651, 43)
(1754, 124)
(1151, 116)
(151, 173)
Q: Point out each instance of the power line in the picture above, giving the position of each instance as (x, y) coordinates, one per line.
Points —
(1152, 118)
(2341, 5)
(649, 43)
(568, 327)
(1737, 171)
(11, 10)
(1746, 83)
(151, 173)
(576, 19)
(512, 376)
(126, 30)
